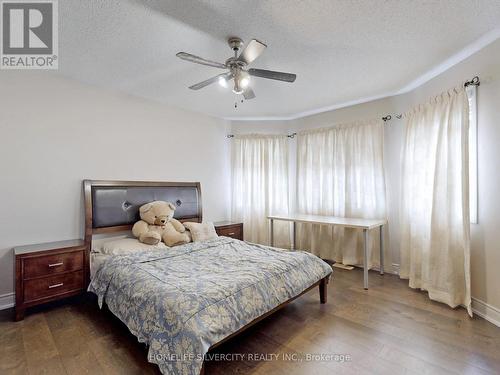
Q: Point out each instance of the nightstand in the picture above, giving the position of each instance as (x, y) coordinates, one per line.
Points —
(48, 272)
(229, 229)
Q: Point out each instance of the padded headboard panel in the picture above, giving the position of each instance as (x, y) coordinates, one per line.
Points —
(119, 205)
(114, 205)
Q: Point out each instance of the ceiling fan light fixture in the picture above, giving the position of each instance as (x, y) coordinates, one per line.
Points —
(237, 89)
(241, 81)
(244, 81)
(222, 82)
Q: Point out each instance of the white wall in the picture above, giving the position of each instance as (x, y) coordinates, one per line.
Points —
(55, 132)
(485, 247)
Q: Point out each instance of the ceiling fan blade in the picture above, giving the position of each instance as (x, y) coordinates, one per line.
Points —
(248, 93)
(253, 50)
(209, 81)
(199, 60)
(270, 74)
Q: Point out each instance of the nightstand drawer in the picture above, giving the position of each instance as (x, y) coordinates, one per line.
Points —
(52, 285)
(52, 264)
(233, 232)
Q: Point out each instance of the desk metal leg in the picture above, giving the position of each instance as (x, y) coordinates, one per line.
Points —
(381, 249)
(294, 235)
(365, 258)
(272, 232)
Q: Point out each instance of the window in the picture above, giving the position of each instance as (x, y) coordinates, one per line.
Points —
(472, 95)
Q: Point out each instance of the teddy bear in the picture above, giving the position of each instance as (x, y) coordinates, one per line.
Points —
(157, 223)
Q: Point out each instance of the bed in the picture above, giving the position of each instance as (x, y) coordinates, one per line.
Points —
(186, 300)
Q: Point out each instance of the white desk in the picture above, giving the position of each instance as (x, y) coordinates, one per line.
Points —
(364, 224)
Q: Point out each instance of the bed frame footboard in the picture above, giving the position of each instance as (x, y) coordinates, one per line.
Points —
(323, 291)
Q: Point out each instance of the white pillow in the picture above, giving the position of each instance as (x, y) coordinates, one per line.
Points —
(125, 246)
(201, 232)
(100, 239)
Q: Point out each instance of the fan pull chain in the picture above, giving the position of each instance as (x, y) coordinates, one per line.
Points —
(236, 104)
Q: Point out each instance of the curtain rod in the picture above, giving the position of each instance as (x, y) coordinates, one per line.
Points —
(292, 135)
(389, 117)
(473, 82)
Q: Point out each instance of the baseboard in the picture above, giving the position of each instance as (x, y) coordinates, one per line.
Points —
(486, 311)
(6, 301)
(395, 268)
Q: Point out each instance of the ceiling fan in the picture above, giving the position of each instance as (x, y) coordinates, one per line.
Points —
(237, 66)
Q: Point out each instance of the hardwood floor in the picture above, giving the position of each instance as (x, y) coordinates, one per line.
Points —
(389, 329)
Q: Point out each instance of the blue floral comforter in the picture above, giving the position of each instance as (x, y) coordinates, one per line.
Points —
(182, 300)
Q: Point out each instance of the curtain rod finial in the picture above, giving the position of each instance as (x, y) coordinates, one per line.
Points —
(473, 82)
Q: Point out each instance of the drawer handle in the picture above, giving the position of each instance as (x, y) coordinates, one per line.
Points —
(231, 234)
(56, 264)
(56, 285)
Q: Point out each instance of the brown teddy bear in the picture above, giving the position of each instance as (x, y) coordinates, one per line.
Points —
(158, 224)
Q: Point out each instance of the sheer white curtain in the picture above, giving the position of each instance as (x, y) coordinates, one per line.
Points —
(340, 172)
(260, 186)
(434, 212)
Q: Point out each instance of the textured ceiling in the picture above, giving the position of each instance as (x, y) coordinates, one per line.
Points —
(341, 51)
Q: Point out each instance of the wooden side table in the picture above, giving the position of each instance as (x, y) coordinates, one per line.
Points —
(229, 229)
(48, 272)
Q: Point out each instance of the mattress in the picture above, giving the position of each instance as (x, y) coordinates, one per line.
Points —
(96, 261)
(183, 300)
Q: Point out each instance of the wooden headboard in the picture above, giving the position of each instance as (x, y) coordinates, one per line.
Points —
(113, 206)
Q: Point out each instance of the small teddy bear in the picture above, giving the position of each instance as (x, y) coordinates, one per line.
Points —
(158, 224)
